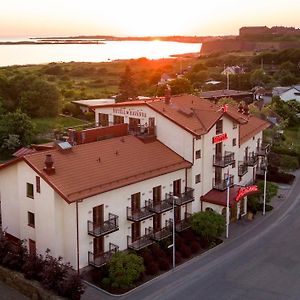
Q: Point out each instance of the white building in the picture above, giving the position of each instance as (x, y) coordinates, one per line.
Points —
(86, 202)
(287, 93)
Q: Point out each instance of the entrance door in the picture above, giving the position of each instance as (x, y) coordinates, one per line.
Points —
(151, 129)
(219, 150)
(177, 187)
(135, 231)
(98, 246)
(156, 194)
(157, 223)
(218, 175)
(118, 120)
(103, 119)
(233, 212)
(242, 206)
(32, 247)
(177, 214)
(98, 215)
(134, 124)
(246, 153)
(135, 202)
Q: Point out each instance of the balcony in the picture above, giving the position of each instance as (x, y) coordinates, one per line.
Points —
(223, 161)
(161, 206)
(164, 233)
(221, 185)
(100, 260)
(139, 214)
(252, 159)
(109, 226)
(184, 198)
(183, 224)
(242, 168)
(142, 242)
(144, 133)
(263, 149)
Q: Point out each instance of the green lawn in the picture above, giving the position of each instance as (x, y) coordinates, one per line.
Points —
(44, 125)
(292, 138)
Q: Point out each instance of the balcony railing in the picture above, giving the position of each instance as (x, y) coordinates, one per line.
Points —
(143, 132)
(183, 224)
(184, 198)
(252, 159)
(111, 225)
(139, 214)
(101, 259)
(141, 242)
(242, 168)
(161, 206)
(263, 149)
(164, 233)
(221, 185)
(223, 161)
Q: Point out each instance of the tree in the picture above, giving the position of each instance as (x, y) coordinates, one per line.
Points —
(124, 269)
(127, 86)
(208, 224)
(18, 124)
(180, 86)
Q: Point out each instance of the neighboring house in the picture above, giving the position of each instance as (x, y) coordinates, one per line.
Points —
(117, 187)
(218, 94)
(84, 104)
(233, 70)
(164, 79)
(287, 93)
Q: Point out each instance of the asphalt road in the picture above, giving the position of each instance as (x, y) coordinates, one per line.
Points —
(262, 263)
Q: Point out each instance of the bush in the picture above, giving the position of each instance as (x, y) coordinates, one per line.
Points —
(178, 257)
(208, 224)
(164, 264)
(195, 247)
(33, 267)
(185, 251)
(71, 287)
(157, 251)
(124, 269)
(147, 257)
(152, 268)
(16, 256)
(268, 207)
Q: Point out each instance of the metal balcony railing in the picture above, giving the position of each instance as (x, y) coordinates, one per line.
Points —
(251, 160)
(161, 206)
(223, 161)
(242, 168)
(142, 242)
(143, 132)
(139, 214)
(263, 149)
(164, 233)
(98, 260)
(183, 224)
(184, 198)
(109, 226)
(221, 185)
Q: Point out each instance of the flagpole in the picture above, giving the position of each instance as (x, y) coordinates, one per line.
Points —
(227, 206)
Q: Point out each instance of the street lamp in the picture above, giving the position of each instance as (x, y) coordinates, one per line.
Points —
(173, 231)
(264, 167)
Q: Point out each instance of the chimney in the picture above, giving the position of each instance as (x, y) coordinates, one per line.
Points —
(49, 169)
(246, 109)
(167, 94)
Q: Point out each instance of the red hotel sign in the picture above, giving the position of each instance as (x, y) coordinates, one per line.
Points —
(243, 191)
(220, 138)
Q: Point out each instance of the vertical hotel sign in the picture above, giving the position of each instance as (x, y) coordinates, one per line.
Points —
(129, 112)
(220, 138)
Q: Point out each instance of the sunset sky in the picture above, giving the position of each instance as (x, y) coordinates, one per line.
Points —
(142, 17)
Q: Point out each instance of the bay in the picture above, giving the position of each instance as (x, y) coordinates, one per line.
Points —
(108, 51)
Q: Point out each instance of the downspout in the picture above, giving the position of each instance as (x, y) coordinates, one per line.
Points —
(77, 237)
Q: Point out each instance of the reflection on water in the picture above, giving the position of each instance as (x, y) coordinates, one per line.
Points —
(112, 50)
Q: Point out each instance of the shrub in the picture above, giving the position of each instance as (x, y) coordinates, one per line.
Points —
(185, 251)
(71, 287)
(188, 235)
(16, 256)
(164, 264)
(147, 257)
(178, 257)
(124, 269)
(152, 268)
(157, 251)
(208, 224)
(195, 247)
(268, 207)
(33, 267)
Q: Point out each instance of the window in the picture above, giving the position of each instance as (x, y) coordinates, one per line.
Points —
(29, 190)
(234, 126)
(198, 178)
(234, 142)
(31, 219)
(198, 154)
(38, 184)
(219, 127)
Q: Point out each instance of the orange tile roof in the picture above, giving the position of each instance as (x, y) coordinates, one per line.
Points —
(94, 168)
(251, 128)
